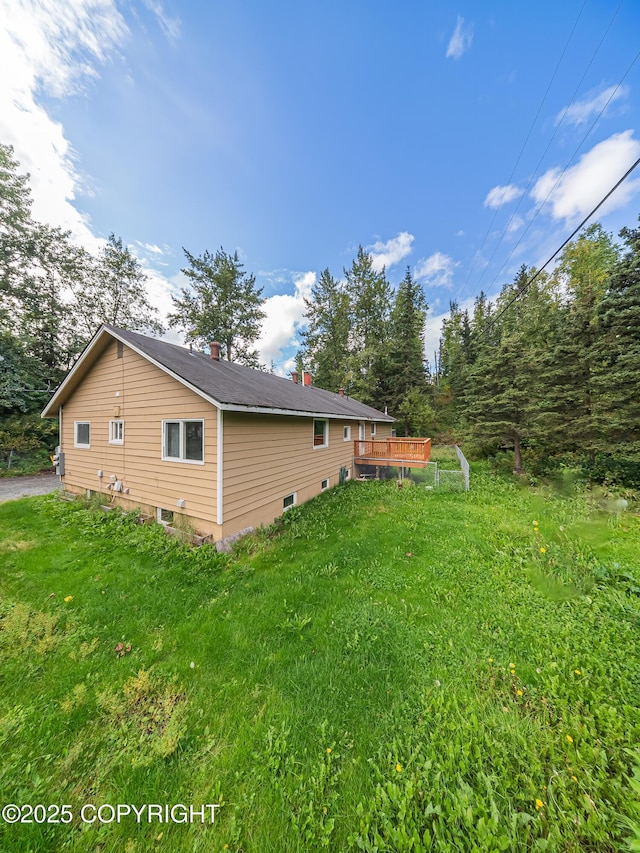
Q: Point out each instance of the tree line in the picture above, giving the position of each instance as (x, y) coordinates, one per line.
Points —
(550, 367)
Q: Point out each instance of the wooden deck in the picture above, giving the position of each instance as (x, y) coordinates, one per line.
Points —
(407, 452)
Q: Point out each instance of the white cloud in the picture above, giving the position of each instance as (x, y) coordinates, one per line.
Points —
(580, 112)
(515, 224)
(502, 195)
(169, 26)
(285, 313)
(385, 255)
(573, 194)
(460, 41)
(53, 48)
(436, 270)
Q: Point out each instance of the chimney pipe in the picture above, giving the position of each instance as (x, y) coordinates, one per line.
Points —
(306, 377)
(214, 349)
(294, 376)
(341, 392)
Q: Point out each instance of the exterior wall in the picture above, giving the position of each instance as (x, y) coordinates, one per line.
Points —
(267, 457)
(145, 396)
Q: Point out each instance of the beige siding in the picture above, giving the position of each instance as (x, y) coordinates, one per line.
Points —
(267, 457)
(145, 396)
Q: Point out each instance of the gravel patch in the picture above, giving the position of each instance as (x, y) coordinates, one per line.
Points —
(12, 488)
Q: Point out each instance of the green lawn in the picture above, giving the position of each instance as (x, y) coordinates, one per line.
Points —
(395, 670)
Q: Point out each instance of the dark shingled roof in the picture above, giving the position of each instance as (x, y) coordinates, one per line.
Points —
(235, 385)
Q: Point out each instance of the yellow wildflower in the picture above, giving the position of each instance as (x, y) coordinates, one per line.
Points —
(543, 550)
(577, 672)
(69, 598)
(535, 523)
(539, 804)
(398, 768)
(490, 660)
(519, 692)
(575, 778)
(569, 738)
(328, 750)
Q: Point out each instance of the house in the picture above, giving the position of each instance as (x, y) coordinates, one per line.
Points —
(149, 424)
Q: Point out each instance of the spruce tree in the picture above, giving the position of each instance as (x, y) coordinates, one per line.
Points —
(616, 356)
(370, 300)
(327, 336)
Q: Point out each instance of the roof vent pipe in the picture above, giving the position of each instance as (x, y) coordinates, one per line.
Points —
(294, 376)
(341, 392)
(306, 377)
(214, 350)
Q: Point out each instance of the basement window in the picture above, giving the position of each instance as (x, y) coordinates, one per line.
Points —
(82, 434)
(320, 433)
(165, 516)
(289, 501)
(324, 485)
(116, 432)
(183, 441)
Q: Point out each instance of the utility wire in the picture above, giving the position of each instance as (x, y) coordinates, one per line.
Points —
(544, 153)
(524, 144)
(561, 175)
(530, 281)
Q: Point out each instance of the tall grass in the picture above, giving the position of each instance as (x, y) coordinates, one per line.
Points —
(385, 670)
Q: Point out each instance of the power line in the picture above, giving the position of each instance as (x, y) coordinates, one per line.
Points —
(561, 175)
(524, 144)
(553, 136)
(530, 281)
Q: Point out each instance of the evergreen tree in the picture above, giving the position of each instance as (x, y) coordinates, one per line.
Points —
(504, 394)
(407, 369)
(370, 299)
(616, 356)
(222, 304)
(567, 364)
(327, 336)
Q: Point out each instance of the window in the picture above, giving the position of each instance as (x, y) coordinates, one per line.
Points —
(346, 433)
(82, 430)
(320, 434)
(116, 432)
(164, 516)
(324, 485)
(183, 441)
(373, 430)
(289, 501)
(361, 431)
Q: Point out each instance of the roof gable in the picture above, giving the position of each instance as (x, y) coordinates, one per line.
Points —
(224, 384)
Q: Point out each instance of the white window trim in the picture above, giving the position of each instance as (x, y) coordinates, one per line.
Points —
(324, 488)
(180, 459)
(326, 433)
(75, 435)
(113, 440)
(361, 434)
(347, 428)
(293, 495)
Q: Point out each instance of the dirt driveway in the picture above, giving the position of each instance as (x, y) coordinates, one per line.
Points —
(12, 488)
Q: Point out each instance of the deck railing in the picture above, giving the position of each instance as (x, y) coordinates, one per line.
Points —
(393, 449)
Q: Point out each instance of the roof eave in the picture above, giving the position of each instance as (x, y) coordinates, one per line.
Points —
(52, 407)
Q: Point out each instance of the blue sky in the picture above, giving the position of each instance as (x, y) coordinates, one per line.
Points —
(430, 133)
